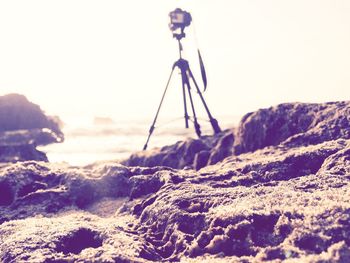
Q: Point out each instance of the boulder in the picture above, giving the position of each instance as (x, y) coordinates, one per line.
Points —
(191, 153)
(179, 155)
(293, 124)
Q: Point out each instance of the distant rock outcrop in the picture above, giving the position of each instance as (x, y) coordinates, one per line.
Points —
(33, 136)
(23, 126)
(17, 113)
(20, 152)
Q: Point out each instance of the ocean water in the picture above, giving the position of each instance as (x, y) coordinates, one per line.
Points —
(99, 139)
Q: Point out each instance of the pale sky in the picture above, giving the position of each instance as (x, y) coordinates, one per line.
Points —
(113, 58)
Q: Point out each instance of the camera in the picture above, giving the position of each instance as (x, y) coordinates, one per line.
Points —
(179, 19)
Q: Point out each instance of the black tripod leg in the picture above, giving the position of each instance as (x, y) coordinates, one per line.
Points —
(151, 129)
(183, 79)
(214, 123)
(196, 124)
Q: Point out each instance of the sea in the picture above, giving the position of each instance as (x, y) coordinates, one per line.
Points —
(97, 139)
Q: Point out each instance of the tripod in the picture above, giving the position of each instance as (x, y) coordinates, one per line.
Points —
(186, 76)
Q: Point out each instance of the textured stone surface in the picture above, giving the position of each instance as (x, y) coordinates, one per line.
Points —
(286, 202)
(293, 124)
(191, 153)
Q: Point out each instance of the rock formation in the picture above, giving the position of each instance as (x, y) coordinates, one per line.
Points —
(17, 113)
(23, 126)
(283, 198)
(290, 124)
(191, 153)
(293, 124)
(20, 153)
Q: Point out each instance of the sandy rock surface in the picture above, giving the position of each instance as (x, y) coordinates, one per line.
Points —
(288, 200)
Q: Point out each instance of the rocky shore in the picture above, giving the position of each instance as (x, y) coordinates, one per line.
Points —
(276, 188)
(23, 127)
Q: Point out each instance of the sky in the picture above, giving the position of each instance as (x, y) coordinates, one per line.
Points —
(113, 58)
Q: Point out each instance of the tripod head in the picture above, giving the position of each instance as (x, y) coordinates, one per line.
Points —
(179, 19)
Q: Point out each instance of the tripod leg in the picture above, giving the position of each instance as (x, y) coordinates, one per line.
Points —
(214, 123)
(196, 124)
(183, 79)
(151, 129)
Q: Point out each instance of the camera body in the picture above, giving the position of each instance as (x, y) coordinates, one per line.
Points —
(179, 19)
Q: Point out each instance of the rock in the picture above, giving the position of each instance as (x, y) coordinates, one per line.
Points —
(222, 149)
(178, 156)
(17, 113)
(201, 159)
(33, 136)
(78, 237)
(48, 190)
(285, 202)
(295, 124)
(21, 152)
(261, 220)
(190, 153)
(23, 126)
(289, 124)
